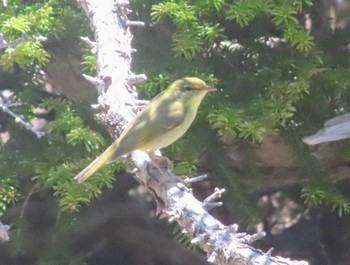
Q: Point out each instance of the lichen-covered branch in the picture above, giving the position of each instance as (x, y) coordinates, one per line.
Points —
(117, 104)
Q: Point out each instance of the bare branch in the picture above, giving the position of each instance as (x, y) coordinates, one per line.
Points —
(196, 179)
(93, 80)
(4, 44)
(135, 23)
(122, 3)
(133, 79)
(89, 43)
(5, 106)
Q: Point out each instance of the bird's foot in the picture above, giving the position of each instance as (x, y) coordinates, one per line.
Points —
(161, 163)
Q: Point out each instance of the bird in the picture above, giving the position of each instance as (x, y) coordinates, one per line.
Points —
(160, 123)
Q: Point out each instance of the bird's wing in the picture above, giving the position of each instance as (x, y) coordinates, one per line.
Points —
(151, 124)
(155, 122)
(172, 117)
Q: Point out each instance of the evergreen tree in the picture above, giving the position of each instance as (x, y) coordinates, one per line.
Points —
(281, 68)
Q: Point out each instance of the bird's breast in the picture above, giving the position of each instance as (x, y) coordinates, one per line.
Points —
(168, 136)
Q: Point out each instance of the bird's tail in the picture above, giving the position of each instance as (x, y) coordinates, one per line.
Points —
(104, 158)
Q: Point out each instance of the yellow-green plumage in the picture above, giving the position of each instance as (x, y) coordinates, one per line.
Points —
(161, 122)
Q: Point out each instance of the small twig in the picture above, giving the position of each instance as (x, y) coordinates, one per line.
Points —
(19, 119)
(269, 252)
(233, 228)
(208, 203)
(199, 238)
(196, 179)
(133, 79)
(211, 205)
(93, 80)
(126, 11)
(83, 5)
(217, 194)
(25, 203)
(122, 3)
(141, 102)
(135, 23)
(248, 239)
(4, 44)
(91, 44)
(126, 53)
(212, 256)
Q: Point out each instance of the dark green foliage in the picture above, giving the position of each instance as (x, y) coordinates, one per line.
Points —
(273, 76)
(260, 89)
(50, 19)
(58, 156)
(193, 29)
(323, 192)
(88, 62)
(232, 123)
(289, 85)
(8, 192)
(68, 139)
(33, 20)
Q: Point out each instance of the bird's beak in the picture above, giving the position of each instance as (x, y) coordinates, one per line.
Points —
(208, 89)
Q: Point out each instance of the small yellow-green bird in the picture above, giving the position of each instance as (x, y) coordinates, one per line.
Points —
(160, 123)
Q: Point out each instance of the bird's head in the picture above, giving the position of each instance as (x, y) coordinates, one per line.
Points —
(192, 85)
(190, 89)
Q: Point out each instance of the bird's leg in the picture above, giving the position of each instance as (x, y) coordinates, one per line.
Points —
(161, 163)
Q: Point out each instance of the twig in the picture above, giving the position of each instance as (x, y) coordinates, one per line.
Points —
(4, 44)
(91, 44)
(25, 203)
(19, 118)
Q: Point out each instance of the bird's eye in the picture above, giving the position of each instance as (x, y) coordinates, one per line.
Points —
(187, 88)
